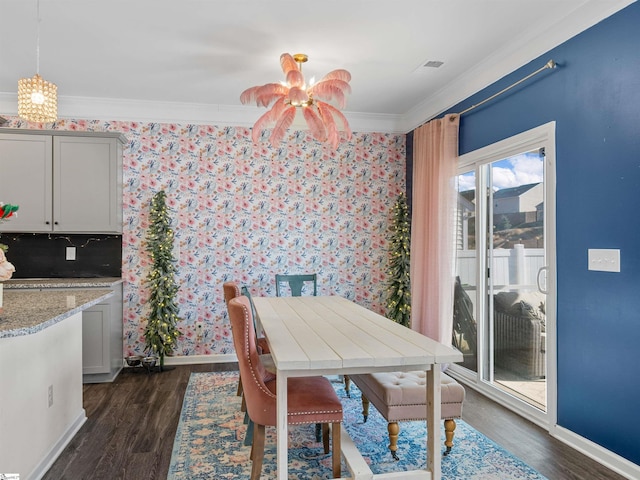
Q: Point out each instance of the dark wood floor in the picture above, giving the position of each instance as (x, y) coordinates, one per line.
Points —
(132, 422)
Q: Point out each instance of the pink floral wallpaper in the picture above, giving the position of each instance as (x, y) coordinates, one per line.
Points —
(245, 212)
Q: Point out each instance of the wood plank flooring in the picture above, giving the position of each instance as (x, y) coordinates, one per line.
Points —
(132, 422)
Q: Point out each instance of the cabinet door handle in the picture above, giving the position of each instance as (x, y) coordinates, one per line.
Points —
(47, 222)
(55, 223)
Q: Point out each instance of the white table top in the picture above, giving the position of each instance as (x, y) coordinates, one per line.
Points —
(338, 336)
(331, 335)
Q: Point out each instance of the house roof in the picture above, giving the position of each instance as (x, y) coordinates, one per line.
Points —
(513, 191)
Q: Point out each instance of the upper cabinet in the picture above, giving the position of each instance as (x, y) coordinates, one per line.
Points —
(68, 182)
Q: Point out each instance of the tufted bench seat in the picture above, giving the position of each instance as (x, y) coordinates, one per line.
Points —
(402, 396)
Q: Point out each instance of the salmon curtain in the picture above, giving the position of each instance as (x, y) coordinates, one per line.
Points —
(435, 153)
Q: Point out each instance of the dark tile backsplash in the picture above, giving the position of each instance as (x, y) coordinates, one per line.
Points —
(43, 255)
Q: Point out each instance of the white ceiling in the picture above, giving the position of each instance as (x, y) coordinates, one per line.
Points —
(189, 60)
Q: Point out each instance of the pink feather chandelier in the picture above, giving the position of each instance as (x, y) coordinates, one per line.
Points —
(286, 97)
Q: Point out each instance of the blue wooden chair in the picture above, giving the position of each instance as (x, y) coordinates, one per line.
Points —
(296, 284)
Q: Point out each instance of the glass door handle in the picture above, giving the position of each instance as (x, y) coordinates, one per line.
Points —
(542, 270)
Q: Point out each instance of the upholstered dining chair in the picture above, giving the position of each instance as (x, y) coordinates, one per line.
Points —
(296, 284)
(309, 399)
(232, 290)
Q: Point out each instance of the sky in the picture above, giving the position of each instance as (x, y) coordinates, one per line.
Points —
(511, 172)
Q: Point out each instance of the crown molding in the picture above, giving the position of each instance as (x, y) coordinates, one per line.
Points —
(173, 112)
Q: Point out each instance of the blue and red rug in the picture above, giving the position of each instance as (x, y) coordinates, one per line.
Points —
(209, 442)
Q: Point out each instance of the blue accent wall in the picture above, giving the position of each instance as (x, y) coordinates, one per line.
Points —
(594, 97)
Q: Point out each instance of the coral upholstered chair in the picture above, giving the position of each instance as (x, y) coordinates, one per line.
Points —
(232, 290)
(310, 399)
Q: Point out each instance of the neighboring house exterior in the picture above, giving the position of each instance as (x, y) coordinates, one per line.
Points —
(524, 198)
(466, 211)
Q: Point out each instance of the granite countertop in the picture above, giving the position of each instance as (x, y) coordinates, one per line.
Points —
(29, 311)
(101, 282)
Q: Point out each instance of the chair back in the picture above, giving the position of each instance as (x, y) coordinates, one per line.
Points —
(296, 282)
(231, 290)
(245, 291)
(261, 402)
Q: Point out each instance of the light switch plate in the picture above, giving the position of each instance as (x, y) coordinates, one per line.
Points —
(71, 253)
(604, 260)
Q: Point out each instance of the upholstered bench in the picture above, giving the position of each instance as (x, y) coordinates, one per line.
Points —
(402, 396)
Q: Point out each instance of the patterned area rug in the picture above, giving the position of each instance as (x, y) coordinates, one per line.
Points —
(209, 441)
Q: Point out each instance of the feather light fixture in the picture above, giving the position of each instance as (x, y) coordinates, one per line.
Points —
(285, 97)
(37, 98)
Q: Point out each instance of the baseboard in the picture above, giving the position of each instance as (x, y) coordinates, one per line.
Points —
(600, 454)
(48, 460)
(101, 377)
(198, 359)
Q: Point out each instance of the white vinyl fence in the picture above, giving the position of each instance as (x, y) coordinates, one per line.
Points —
(515, 268)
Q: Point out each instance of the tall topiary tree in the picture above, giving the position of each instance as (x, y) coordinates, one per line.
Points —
(399, 284)
(161, 331)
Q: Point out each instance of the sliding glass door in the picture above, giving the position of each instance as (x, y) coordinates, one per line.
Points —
(503, 264)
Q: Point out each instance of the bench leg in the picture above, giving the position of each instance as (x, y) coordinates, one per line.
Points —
(449, 431)
(365, 408)
(394, 430)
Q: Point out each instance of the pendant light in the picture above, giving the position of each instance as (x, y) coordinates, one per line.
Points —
(37, 98)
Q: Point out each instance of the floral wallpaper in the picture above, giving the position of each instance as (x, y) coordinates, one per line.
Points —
(245, 212)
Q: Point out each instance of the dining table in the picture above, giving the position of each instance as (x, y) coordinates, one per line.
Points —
(331, 335)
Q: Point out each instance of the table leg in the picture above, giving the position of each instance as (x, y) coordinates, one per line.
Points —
(433, 421)
(281, 426)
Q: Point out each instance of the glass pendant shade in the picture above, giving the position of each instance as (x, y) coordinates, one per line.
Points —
(37, 100)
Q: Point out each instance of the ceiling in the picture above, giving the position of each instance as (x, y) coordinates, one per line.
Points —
(189, 60)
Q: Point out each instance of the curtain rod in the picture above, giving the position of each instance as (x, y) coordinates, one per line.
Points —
(549, 64)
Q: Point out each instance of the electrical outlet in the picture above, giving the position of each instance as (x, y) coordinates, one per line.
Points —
(71, 253)
(199, 331)
(50, 394)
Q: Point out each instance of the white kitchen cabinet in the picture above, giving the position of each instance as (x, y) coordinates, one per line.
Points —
(102, 355)
(68, 182)
(96, 327)
(26, 173)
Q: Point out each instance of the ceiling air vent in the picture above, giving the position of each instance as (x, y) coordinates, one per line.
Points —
(433, 64)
